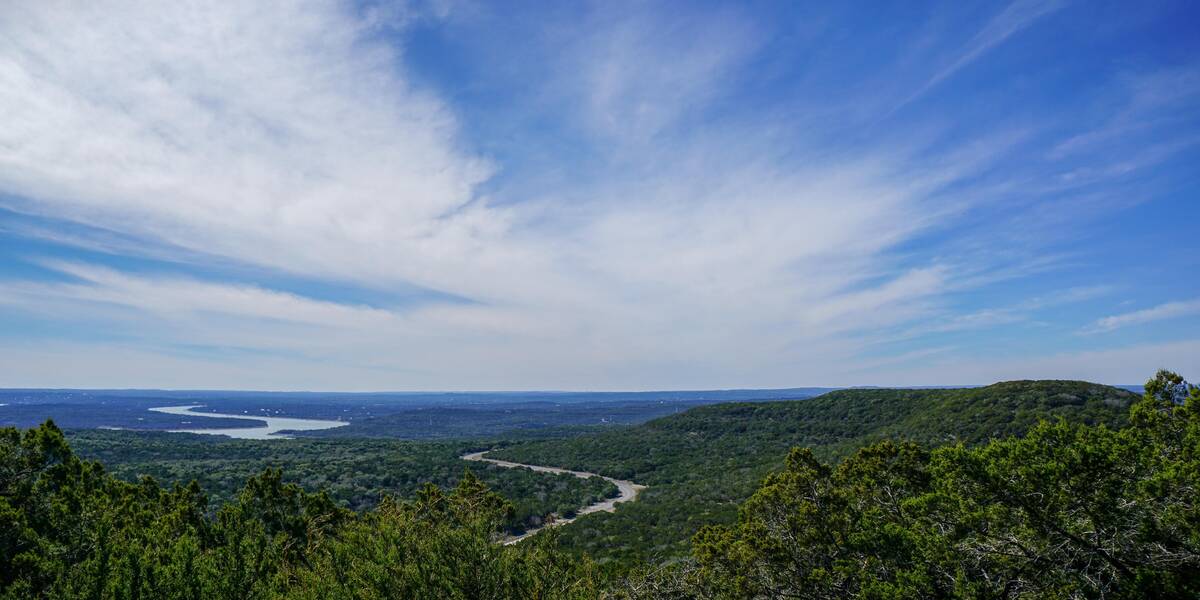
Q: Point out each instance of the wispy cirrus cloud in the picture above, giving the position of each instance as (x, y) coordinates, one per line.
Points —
(1015, 17)
(1149, 103)
(644, 70)
(1162, 312)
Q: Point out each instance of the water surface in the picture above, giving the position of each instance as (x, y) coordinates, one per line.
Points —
(270, 431)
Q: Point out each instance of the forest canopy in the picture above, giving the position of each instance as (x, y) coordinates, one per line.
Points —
(1066, 509)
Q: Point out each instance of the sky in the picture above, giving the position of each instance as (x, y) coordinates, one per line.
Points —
(461, 195)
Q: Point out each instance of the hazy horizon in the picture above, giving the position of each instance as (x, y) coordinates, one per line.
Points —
(535, 391)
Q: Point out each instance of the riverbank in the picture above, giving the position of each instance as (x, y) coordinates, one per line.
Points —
(628, 491)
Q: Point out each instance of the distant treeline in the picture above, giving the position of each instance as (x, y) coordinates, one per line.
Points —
(386, 415)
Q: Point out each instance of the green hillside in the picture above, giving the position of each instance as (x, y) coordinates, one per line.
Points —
(702, 463)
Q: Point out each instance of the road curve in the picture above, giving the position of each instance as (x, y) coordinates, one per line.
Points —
(628, 491)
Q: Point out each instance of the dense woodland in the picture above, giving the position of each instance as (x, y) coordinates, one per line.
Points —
(700, 465)
(356, 474)
(1020, 490)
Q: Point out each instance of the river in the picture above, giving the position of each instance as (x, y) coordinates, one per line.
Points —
(628, 491)
(270, 431)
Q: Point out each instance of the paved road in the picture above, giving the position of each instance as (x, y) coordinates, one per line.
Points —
(628, 491)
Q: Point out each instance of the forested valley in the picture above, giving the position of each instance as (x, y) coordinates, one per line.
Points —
(1017, 490)
(356, 474)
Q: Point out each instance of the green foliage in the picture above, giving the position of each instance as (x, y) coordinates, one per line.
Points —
(440, 546)
(70, 530)
(702, 463)
(1089, 504)
(1066, 511)
(356, 474)
(816, 531)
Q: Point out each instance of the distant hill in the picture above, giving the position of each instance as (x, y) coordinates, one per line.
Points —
(701, 463)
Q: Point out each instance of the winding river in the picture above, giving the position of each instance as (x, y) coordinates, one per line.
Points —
(270, 431)
(628, 491)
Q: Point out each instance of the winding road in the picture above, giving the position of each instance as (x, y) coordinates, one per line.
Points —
(628, 491)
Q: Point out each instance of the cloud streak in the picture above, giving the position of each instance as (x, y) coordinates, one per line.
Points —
(1162, 312)
(1017, 16)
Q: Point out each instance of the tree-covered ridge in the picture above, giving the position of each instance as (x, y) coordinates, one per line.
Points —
(1067, 511)
(835, 422)
(701, 463)
(356, 474)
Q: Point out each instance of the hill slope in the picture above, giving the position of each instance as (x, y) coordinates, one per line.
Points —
(702, 463)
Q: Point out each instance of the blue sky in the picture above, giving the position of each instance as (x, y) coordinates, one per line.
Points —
(483, 195)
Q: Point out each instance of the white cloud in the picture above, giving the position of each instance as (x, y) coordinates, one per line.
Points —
(169, 296)
(273, 132)
(1152, 104)
(1127, 365)
(1015, 17)
(645, 70)
(1169, 310)
(289, 136)
(1020, 312)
